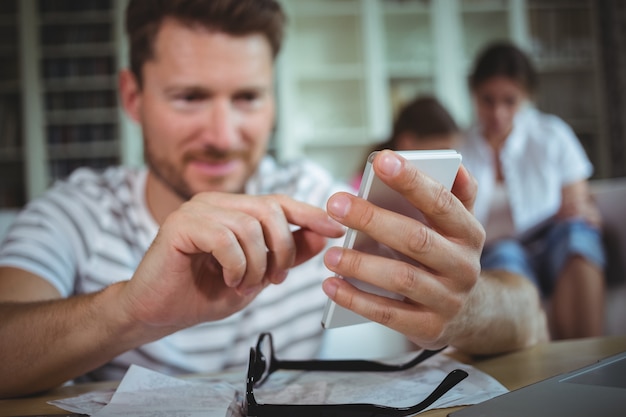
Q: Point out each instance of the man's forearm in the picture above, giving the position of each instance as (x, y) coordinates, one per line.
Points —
(503, 314)
(46, 343)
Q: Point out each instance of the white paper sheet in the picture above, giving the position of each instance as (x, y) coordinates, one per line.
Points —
(143, 392)
(147, 393)
(88, 403)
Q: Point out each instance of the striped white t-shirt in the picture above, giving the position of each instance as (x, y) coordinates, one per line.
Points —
(93, 229)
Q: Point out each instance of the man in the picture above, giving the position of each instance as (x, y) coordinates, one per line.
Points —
(180, 266)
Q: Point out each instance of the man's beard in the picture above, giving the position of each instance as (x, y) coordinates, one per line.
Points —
(166, 175)
(169, 175)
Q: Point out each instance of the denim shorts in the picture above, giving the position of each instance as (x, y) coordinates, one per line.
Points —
(541, 257)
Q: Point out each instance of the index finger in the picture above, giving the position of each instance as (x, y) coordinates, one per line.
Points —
(314, 226)
(275, 213)
(309, 217)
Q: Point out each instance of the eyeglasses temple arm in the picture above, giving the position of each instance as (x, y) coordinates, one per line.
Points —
(356, 409)
(353, 365)
(449, 382)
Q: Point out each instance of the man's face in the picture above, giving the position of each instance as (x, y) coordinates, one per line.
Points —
(206, 108)
(497, 101)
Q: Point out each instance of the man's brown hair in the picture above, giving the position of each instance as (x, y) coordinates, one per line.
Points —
(234, 17)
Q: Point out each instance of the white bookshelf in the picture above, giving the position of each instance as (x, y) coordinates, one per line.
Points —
(349, 65)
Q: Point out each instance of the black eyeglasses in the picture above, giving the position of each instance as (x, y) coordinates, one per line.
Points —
(263, 363)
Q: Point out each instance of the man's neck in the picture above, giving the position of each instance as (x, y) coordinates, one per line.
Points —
(161, 201)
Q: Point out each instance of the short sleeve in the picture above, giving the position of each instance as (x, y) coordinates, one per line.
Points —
(42, 240)
(573, 161)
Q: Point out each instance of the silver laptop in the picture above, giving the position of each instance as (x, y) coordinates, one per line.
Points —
(595, 390)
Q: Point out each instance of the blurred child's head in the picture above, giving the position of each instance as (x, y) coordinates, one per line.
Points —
(423, 124)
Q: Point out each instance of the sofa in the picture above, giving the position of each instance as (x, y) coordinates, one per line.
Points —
(610, 195)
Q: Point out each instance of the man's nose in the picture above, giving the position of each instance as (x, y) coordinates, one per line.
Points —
(221, 125)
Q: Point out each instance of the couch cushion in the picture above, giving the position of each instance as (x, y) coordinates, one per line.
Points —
(610, 195)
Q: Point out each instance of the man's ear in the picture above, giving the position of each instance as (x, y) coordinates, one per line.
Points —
(130, 94)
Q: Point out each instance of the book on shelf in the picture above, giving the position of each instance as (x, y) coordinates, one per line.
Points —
(9, 123)
(54, 6)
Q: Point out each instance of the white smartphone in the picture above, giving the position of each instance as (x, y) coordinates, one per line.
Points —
(442, 166)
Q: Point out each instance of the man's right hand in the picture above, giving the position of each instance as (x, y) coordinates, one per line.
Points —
(218, 251)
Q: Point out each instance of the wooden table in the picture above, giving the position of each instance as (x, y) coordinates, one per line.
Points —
(513, 370)
(518, 369)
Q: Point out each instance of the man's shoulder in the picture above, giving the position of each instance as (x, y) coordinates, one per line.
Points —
(98, 190)
(114, 180)
(111, 176)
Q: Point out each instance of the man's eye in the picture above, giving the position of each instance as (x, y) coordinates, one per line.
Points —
(248, 101)
(247, 97)
(188, 100)
(191, 97)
